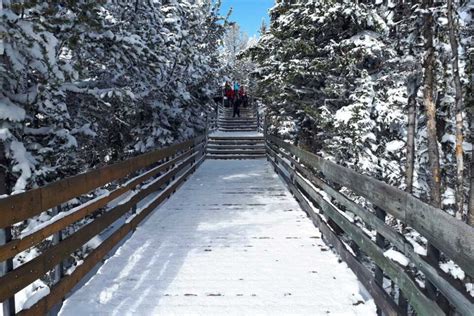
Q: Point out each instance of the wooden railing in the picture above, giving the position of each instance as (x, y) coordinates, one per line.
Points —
(156, 175)
(314, 182)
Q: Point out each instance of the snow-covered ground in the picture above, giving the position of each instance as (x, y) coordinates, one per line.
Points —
(231, 241)
(236, 134)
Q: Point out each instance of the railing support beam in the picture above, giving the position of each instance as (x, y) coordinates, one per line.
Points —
(5, 233)
(380, 241)
(5, 267)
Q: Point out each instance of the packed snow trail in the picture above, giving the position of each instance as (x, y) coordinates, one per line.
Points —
(231, 241)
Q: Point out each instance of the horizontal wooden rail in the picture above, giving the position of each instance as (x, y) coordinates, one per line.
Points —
(16, 246)
(452, 291)
(381, 298)
(292, 163)
(453, 237)
(17, 208)
(68, 282)
(177, 161)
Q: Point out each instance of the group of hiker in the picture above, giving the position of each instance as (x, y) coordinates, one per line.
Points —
(235, 96)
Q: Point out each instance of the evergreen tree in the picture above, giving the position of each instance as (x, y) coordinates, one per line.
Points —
(88, 83)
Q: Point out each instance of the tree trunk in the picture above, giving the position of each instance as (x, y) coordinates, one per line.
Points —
(413, 87)
(430, 106)
(459, 113)
(470, 210)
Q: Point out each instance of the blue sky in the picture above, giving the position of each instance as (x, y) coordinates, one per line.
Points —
(248, 13)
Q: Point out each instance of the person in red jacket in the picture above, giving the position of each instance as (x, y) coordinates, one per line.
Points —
(243, 96)
(228, 93)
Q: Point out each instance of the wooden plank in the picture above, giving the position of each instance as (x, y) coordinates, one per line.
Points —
(453, 237)
(380, 242)
(22, 206)
(60, 290)
(7, 307)
(16, 246)
(20, 277)
(381, 298)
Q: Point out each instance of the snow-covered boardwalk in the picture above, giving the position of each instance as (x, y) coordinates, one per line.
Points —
(231, 241)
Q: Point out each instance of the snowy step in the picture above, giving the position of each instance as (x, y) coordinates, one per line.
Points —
(235, 157)
(251, 122)
(250, 127)
(230, 125)
(231, 141)
(233, 145)
(229, 113)
(241, 109)
(237, 120)
(235, 139)
(241, 112)
(236, 151)
(238, 144)
(258, 146)
(238, 129)
(233, 123)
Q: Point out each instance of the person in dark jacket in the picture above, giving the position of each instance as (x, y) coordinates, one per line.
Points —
(237, 103)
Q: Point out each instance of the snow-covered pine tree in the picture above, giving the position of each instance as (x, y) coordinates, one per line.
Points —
(75, 75)
(336, 77)
(33, 113)
(321, 71)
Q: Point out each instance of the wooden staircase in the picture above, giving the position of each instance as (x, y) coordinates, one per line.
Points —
(247, 122)
(237, 137)
(236, 147)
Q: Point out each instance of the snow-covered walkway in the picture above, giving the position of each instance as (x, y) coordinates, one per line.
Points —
(231, 241)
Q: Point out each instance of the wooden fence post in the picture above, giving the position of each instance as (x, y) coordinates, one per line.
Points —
(402, 303)
(5, 267)
(5, 233)
(380, 241)
(58, 271)
(167, 169)
(265, 135)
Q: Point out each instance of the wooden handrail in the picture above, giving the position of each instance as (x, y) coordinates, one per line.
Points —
(453, 237)
(178, 160)
(16, 246)
(301, 170)
(17, 208)
(69, 282)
